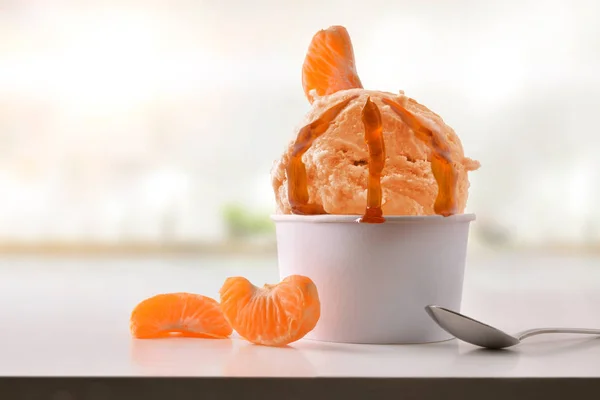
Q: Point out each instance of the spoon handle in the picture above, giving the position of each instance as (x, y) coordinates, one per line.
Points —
(533, 332)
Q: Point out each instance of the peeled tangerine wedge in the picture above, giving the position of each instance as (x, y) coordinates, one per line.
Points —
(273, 315)
(179, 314)
(329, 64)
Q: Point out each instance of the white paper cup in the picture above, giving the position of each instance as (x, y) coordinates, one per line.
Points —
(374, 280)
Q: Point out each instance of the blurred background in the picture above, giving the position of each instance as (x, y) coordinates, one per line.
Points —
(151, 126)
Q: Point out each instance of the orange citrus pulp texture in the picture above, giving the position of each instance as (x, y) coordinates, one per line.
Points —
(329, 64)
(274, 315)
(182, 314)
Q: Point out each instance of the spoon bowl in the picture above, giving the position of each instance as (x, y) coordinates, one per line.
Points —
(470, 330)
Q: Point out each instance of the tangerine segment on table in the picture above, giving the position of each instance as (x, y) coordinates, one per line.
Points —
(329, 64)
(273, 315)
(180, 314)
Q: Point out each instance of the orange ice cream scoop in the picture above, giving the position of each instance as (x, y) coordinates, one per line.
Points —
(332, 161)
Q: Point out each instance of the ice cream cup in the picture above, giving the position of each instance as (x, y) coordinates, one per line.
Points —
(374, 280)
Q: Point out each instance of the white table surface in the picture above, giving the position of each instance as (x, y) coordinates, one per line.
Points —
(69, 317)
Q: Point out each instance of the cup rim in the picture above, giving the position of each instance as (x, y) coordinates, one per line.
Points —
(339, 218)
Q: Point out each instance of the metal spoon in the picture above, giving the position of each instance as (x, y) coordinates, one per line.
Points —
(480, 334)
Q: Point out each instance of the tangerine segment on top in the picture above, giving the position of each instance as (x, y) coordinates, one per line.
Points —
(273, 315)
(329, 64)
(181, 314)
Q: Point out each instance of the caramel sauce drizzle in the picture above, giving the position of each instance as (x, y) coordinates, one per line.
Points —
(442, 167)
(371, 118)
(296, 170)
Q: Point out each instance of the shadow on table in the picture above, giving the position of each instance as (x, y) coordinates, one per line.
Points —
(327, 347)
(495, 361)
(502, 361)
(448, 346)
